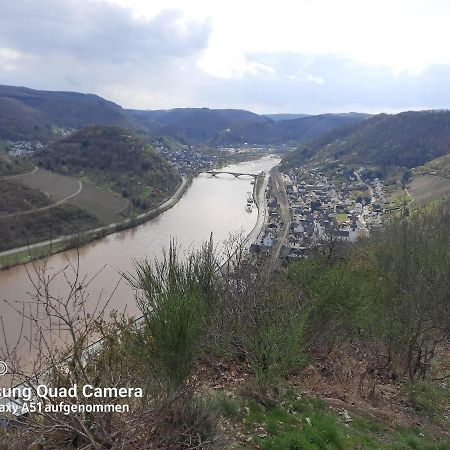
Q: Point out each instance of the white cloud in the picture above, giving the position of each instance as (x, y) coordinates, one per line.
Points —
(403, 35)
(223, 63)
(11, 59)
(306, 77)
(289, 55)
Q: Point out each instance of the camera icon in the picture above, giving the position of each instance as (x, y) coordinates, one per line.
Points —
(3, 368)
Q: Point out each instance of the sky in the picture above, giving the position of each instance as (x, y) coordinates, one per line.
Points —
(283, 56)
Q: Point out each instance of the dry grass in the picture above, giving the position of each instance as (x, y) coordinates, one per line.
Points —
(108, 206)
(56, 186)
(427, 188)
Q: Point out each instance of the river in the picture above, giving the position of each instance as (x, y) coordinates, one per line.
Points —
(210, 205)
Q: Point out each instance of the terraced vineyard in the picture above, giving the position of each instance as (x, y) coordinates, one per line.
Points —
(426, 188)
(40, 205)
(106, 205)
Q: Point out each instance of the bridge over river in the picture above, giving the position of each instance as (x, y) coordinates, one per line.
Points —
(214, 173)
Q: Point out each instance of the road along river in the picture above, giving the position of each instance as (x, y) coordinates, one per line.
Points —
(210, 205)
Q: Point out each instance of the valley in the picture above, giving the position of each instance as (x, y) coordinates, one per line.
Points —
(224, 225)
(312, 215)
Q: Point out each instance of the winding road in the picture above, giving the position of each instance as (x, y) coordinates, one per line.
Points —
(280, 193)
(110, 228)
(9, 177)
(44, 208)
(261, 204)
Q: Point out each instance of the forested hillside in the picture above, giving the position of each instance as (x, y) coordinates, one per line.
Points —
(287, 131)
(194, 124)
(28, 114)
(407, 139)
(10, 166)
(114, 158)
(31, 114)
(233, 126)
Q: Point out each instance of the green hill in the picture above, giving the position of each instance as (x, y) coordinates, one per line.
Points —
(234, 126)
(407, 139)
(28, 114)
(31, 114)
(287, 131)
(194, 124)
(13, 166)
(116, 159)
(439, 166)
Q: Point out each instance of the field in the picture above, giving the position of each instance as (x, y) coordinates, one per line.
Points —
(440, 165)
(104, 204)
(427, 188)
(108, 206)
(41, 204)
(55, 186)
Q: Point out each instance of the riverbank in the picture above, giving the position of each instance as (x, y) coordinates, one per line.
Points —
(21, 255)
(210, 205)
(259, 196)
(236, 158)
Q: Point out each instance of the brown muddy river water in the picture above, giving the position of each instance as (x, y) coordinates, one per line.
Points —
(210, 205)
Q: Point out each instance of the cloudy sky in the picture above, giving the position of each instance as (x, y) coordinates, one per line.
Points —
(304, 56)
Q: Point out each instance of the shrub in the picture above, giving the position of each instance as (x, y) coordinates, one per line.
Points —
(426, 398)
(225, 405)
(175, 297)
(264, 323)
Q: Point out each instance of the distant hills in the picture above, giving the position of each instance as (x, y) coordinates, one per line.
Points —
(31, 114)
(407, 140)
(234, 126)
(287, 131)
(194, 124)
(286, 116)
(28, 114)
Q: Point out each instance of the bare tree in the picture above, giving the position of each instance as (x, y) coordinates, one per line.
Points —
(62, 343)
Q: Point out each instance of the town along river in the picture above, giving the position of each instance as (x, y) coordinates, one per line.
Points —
(211, 205)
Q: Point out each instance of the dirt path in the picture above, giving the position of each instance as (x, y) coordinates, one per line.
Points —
(107, 228)
(11, 177)
(44, 208)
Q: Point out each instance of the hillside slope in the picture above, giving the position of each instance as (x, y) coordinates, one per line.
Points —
(439, 166)
(233, 126)
(285, 131)
(194, 124)
(407, 139)
(114, 158)
(286, 116)
(28, 114)
(13, 166)
(31, 114)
